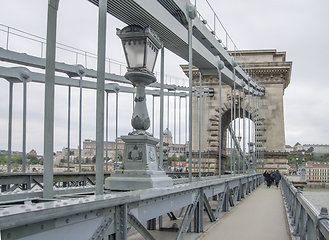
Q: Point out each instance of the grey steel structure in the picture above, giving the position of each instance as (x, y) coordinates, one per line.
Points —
(31, 181)
(306, 221)
(73, 214)
(94, 217)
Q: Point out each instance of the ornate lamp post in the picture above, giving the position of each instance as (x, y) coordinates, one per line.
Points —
(140, 168)
(302, 176)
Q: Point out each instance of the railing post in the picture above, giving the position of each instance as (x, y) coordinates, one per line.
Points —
(100, 97)
(322, 216)
(10, 125)
(161, 106)
(192, 14)
(49, 99)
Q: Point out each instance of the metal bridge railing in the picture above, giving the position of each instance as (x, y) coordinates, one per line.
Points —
(217, 28)
(306, 221)
(8, 35)
(113, 213)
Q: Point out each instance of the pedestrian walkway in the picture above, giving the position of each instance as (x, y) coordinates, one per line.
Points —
(259, 216)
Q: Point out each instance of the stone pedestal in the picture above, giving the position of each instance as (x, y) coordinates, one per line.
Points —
(276, 160)
(140, 168)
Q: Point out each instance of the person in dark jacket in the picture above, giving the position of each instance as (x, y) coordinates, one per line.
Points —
(277, 178)
(268, 178)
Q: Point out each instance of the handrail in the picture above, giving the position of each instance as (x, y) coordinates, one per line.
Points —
(78, 52)
(22, 34)
(227, 36)
(305, 220)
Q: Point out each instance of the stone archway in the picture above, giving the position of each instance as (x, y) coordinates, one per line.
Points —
(270, 70)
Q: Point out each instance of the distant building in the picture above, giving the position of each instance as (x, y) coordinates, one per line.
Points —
(318, 149)
(317, 172)
(173, 148)
(298, 147)
(90, 147)
(34, 168)
(88, 152)
(289, 148)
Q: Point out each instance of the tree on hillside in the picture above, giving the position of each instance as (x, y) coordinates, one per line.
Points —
(311, 149)
(3, 160)
(16, 159)
(32, 159)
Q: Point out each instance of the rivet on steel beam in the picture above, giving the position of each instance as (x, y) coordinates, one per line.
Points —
(80, 70)
(117, 88)
(25, 74)
(234, 62)
(220, 64)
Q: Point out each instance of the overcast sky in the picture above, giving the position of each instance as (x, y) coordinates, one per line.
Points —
(297, 27)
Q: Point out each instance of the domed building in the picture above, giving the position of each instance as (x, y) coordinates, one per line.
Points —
(167, 138)
(170, 147)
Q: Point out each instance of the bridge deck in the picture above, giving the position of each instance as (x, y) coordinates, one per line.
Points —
(261, 215)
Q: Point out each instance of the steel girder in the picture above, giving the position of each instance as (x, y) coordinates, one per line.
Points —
(173, 32)
(188, 217)
(113, 213)
(66, 184)
(139, 227)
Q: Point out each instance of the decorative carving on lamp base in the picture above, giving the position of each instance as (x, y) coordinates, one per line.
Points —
(140, 168)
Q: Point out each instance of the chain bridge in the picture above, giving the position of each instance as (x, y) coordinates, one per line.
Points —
(163, 188)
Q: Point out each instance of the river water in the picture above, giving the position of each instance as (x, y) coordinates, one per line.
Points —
(319, 197)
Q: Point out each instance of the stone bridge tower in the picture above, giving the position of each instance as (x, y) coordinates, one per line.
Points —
(271, 70)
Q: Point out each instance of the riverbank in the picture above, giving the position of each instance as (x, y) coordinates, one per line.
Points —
(316, 185)
(294, 178)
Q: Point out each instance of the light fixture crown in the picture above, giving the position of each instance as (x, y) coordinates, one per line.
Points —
(141, 46)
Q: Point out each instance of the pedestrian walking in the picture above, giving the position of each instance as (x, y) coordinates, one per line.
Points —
(268, 178)
(277, 178)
